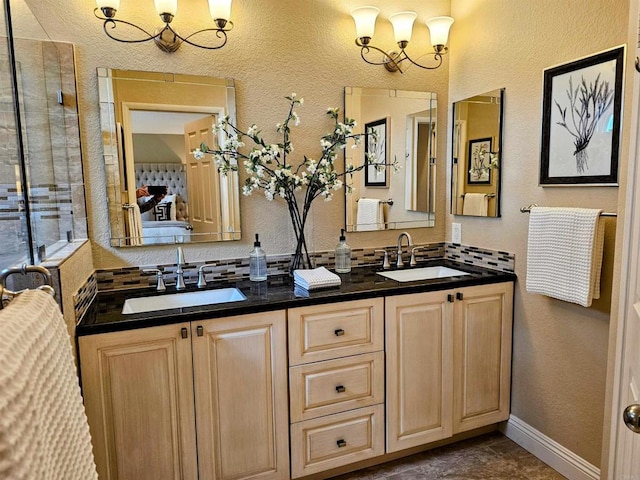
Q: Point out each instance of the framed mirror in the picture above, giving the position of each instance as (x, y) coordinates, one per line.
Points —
(476, 167)
(405, 123)
(151, 124)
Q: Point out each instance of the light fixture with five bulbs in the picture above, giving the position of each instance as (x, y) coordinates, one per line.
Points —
(365, 21)
(165, 37)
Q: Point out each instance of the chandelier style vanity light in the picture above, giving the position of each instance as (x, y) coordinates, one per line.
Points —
(365, 20)
(165, 37)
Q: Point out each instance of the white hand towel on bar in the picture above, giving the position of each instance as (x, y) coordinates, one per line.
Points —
(44, 433)
(370, 215)
(317, 278)
(475, 204)
(564, 256)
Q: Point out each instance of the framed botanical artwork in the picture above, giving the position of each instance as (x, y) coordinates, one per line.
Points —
(581, 116)
(479, 155)
(376, 149)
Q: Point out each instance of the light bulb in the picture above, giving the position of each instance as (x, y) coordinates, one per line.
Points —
(365, 20)
(220, 9)
(166, 6)
(439, 30)
(115, 4)
(403, 26)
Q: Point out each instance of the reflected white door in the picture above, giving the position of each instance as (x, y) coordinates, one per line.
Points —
(203, 179)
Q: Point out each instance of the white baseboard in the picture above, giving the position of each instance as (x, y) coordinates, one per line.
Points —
(549, 451)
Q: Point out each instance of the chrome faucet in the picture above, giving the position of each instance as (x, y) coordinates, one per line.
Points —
(179, 272)
(399, 262)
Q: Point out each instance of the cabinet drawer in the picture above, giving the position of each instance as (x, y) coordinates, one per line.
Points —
(324, 332)
(335, 440)
(333, 386)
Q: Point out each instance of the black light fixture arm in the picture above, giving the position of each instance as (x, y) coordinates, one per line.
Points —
(365, 48)
(110, 23)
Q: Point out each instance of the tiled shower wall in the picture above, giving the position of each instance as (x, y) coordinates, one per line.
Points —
(51, 145)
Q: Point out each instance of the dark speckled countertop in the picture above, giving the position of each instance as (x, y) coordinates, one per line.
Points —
(104, 314)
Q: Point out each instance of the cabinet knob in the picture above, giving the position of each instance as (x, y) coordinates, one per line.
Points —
(450, 298)
(339, 332)
(340, 389)
(341, 443)
(199, 330)
(459, 296)
(184, 333)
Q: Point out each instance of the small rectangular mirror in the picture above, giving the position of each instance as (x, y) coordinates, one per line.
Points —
(476, 167)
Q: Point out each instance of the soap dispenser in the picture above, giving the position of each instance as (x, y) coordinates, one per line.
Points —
(257, 263)
(343, 255)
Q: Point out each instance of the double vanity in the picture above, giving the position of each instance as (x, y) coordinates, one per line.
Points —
(266, 381)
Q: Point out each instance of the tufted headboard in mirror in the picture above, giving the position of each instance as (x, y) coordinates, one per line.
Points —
(172, 176)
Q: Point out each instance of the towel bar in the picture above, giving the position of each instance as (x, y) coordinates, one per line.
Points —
(528, 209)
(388, 202)
(6, 294)
(490, 195)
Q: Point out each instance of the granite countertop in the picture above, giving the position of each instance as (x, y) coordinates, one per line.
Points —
(277, 293)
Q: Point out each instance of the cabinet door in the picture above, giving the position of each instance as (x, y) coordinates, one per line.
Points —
(138, 394)
(482, 355)
(240, 378)
(419, 360)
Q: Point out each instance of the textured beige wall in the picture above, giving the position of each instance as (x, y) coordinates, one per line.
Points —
(560, 349)
(74, 272)
(277, 47)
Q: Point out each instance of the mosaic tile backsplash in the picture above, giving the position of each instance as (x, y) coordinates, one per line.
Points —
(135, 277)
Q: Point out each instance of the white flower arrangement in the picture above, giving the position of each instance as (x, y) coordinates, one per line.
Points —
(269, 169)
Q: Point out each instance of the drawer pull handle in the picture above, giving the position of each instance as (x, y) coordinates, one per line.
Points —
(450, 298)
(341, 443)
(183, 332)
(459, 296)
(339, 332)
(199, 330)
(340, 389)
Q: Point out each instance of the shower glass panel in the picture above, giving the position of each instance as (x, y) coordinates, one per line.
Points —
(51, 209)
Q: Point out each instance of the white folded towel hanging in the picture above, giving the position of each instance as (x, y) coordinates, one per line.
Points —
(475, 204)
(317, 278)
(43, 428)
(564, 255)
(370, 215)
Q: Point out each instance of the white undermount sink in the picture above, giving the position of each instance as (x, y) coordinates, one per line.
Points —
(180, 300)
(423, 273)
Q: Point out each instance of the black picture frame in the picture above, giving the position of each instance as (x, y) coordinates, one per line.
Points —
(581, 121)
(479, 172)
(378, 146)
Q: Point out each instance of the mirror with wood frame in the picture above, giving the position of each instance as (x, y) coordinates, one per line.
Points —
(151, 124)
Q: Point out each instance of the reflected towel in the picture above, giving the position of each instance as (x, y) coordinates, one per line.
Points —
(370, 215)
(43, 427)
(134, 220)
(564, 256)
(317, 278)
(475, 204)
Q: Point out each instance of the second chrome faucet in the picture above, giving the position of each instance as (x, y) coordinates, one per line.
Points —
(399, 262)
(179, 271)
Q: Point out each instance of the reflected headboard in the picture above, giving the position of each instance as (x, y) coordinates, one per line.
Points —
(173, 176)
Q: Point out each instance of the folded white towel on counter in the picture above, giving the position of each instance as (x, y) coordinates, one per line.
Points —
(564, 256)
(317, 278)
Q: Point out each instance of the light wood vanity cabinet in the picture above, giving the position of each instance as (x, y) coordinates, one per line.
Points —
(336, 383)
(359, 379)
(448, 362)
(140, 387)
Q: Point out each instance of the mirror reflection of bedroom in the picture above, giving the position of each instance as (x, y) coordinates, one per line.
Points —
(152, 122)
(161, 144)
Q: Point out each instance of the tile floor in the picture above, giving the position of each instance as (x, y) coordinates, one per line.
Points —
(492, 456)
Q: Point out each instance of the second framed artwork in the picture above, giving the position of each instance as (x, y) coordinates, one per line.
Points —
(581, 117)
(376, 148)
(479, 156)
